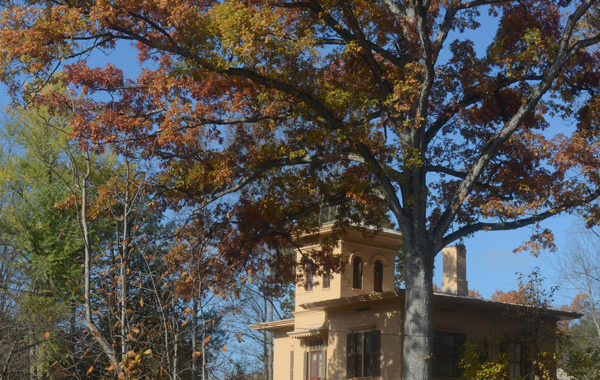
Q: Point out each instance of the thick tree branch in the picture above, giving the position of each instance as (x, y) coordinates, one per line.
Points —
(344, 33)
(502, 226)
(488, 151)
(384, 181)
(313, 103)
(196, 122)
(366, 50)
(261, 169)
(444, 170)
(428, 61)
(471, 98)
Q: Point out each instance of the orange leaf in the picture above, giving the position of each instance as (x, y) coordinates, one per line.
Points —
(89, 371)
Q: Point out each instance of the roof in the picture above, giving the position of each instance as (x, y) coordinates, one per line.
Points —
(382, 231)
(282, 324)
(376, 297)
(439, 298)
(310, 331)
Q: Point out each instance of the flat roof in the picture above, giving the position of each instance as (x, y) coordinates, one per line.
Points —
(438, 297)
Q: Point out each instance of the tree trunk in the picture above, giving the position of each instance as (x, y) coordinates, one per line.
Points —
(265, 340)
(194, 337)
(124, 328)
(124, 267)
(270, 368)
(175, 370)
(106, 346)
(203, 319)
(417, 356)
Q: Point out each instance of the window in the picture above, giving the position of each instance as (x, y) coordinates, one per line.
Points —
(308, 269)
(378, 276)
(362, 354)
(291, 365)
(357, 268)
(447, 348)
(316, 365)
(519, 363)
(314, 360)
(326, 279)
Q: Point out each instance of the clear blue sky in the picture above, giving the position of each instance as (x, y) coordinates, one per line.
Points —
(491, 263)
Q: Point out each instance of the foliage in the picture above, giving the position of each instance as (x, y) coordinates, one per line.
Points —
(475, 364)
(536, 330)
(44, 245)
(260, 113)
(579, 344)
(41, 244)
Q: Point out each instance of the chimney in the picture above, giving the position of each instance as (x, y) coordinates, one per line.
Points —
(455, 270)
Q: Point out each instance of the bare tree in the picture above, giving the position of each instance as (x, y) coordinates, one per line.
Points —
(579, 266)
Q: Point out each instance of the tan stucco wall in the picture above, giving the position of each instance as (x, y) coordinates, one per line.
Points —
(378, 317)
(282, 346)
(475, 323)
(383, 248)
(369, 254)
(333, 325)
(318, 293)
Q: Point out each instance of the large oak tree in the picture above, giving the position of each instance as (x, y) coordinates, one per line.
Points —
(261, 112)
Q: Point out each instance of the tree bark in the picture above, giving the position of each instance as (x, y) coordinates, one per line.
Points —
(124, 267)
(175, 369)
(270, 336)
(194, 338)
(96, 333)
(417, 355)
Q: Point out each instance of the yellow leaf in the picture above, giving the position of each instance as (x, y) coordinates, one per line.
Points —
(142, 302)
(224, 348)
(148, 352)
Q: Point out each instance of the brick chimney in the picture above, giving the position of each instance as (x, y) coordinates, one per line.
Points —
(455, 270)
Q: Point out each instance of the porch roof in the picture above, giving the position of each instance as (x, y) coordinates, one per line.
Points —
(283, 324)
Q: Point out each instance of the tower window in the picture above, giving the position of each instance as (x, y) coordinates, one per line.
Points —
(326, 279)
(378, 276)
(357, 269)
(308, 269)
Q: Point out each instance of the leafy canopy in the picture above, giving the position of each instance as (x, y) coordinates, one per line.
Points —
(260, 112)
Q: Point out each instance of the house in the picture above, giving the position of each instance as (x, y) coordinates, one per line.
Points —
(349, 325)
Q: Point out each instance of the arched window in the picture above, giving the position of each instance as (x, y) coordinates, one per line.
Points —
(357, 269)
(378, 276)
(308, 270)
(326, 279)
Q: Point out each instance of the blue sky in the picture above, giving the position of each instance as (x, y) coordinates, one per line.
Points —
(491, 263)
